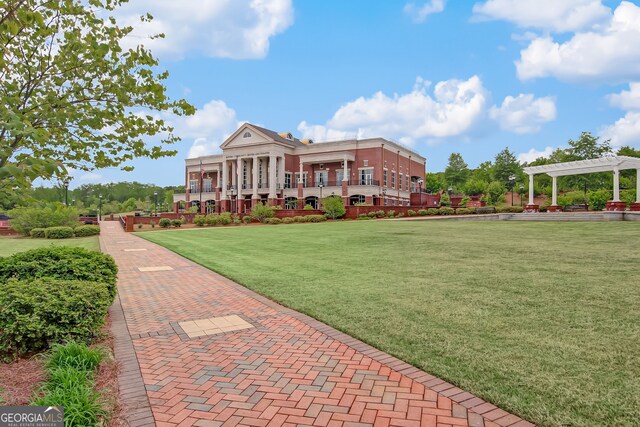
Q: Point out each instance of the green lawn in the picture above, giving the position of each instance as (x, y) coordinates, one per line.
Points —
(542, 319)
(11, 245)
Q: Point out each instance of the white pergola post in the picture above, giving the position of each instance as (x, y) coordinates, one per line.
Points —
(616, 185)
(531, 191)
(637, 185)
(554, 194)
(345, 176)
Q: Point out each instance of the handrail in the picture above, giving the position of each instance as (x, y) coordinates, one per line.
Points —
(123, 222)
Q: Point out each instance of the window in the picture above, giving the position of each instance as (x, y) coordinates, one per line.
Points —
(366, 176)
(384, 178)
(287, 180)
(322, 177)
(304, 179)
(206, 185)
(245, 175)
(366, 162)
(406, 180)
(340, 176)
(260, 172)
(247, 135)
(393, 180)
(193, 186)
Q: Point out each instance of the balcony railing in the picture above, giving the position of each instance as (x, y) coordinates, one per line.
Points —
(366, 181)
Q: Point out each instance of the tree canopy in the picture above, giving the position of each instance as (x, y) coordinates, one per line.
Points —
(71, 96)
(457, 171)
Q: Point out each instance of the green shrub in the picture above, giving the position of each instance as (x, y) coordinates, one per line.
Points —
(433, 211)
(598, 199)
(87, 230)
(60, 262)
(37, 233)
(177, 223)
(261, 212)
(363, 217)
(362, 204)
(380, 213)
(391, 213)
(58, 232)
(495, 192)
(465, 211)
(237, 221)
(333, 207)
(212, 219)
(400, 215)
(423, 212)
(308, 207)
(509, 209)
(445, 200)
(37, 313)
(225, 218)
(164, 223)
(273, 221)
(411, 212)
(287, 220)
(200, 220)
(372, 214)
(316, 218)
(446, 211)
(246, 219)
(24, 219)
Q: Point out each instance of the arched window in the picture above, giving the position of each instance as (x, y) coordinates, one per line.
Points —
(247, 135)
(289, 136)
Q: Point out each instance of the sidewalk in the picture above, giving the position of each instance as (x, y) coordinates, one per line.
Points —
(198, 349)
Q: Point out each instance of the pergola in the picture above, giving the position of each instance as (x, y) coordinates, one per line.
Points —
(604, 164)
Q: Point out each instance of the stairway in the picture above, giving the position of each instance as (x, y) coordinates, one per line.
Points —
(558, 216)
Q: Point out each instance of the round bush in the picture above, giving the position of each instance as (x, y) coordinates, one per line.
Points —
(273, 221)
(446, 211)
(200, 220)
(87, 230)
(165, 223)
(213, 219)
(60, 262)
(58, 232)
(465, 211)
(246, 219)
(432, 211)
(34, 314)
(287, 220)
(177, 223)
(37, 233)
(411, 212)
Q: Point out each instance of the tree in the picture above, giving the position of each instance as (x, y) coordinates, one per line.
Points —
(434, 182)
(495, 192)
(70, 96)
(333, 206)
(261, 212)
(484, 172)
(506, 165)
(584, 148)
(457, 171)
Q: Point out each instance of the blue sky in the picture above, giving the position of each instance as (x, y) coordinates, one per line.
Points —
(440, 76)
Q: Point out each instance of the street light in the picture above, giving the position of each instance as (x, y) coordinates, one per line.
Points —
(100, 207)
(231, 191)
(66, 191)
(521, 193)
(384, 197)
(155, 201)
(321, 185)
(73, 202)
(420, 182)
(512, 182)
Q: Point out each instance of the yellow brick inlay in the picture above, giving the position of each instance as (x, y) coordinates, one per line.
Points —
(214, 325)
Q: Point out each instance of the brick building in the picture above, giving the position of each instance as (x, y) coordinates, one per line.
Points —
(260, 165)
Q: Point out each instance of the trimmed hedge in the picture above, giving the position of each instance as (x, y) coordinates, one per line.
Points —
(60, 262)
(37, 313)
(58, 233)
(87, 230)
(465, 211)
(164, 223)
(273, 221)
(509, 209)
(37, 233)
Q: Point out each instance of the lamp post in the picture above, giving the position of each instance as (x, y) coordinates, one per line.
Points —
(512, 183)
(420, 182)
(155, 201)
(521, 193)
(384, 197)
(231, 192)
(100, 207)
(66, 191)
(73, 202)
(321, 185)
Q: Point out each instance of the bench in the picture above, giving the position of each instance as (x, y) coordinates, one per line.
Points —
(486, 210)
(576, 208)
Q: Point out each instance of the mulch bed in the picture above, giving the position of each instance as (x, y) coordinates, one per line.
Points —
(20, 379)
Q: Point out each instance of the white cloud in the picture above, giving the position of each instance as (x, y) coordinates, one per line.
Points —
(627, 99)
(89, 177)
(625, 131)
(549, 15)
(455, 107)
(608, 53)
(534, 154)
(238, 29)
(524, 113)
(420, 13)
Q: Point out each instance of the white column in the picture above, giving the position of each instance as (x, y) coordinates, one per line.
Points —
(345, 175)
(281, 172)
(254, 175)
(225, 177)
(272, 176)
(616, 185)
(554, 194)
(531, 191)
(239, 175)
(300, 177)
(637, 185)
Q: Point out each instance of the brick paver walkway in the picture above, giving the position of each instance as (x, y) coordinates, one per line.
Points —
(288, 369)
